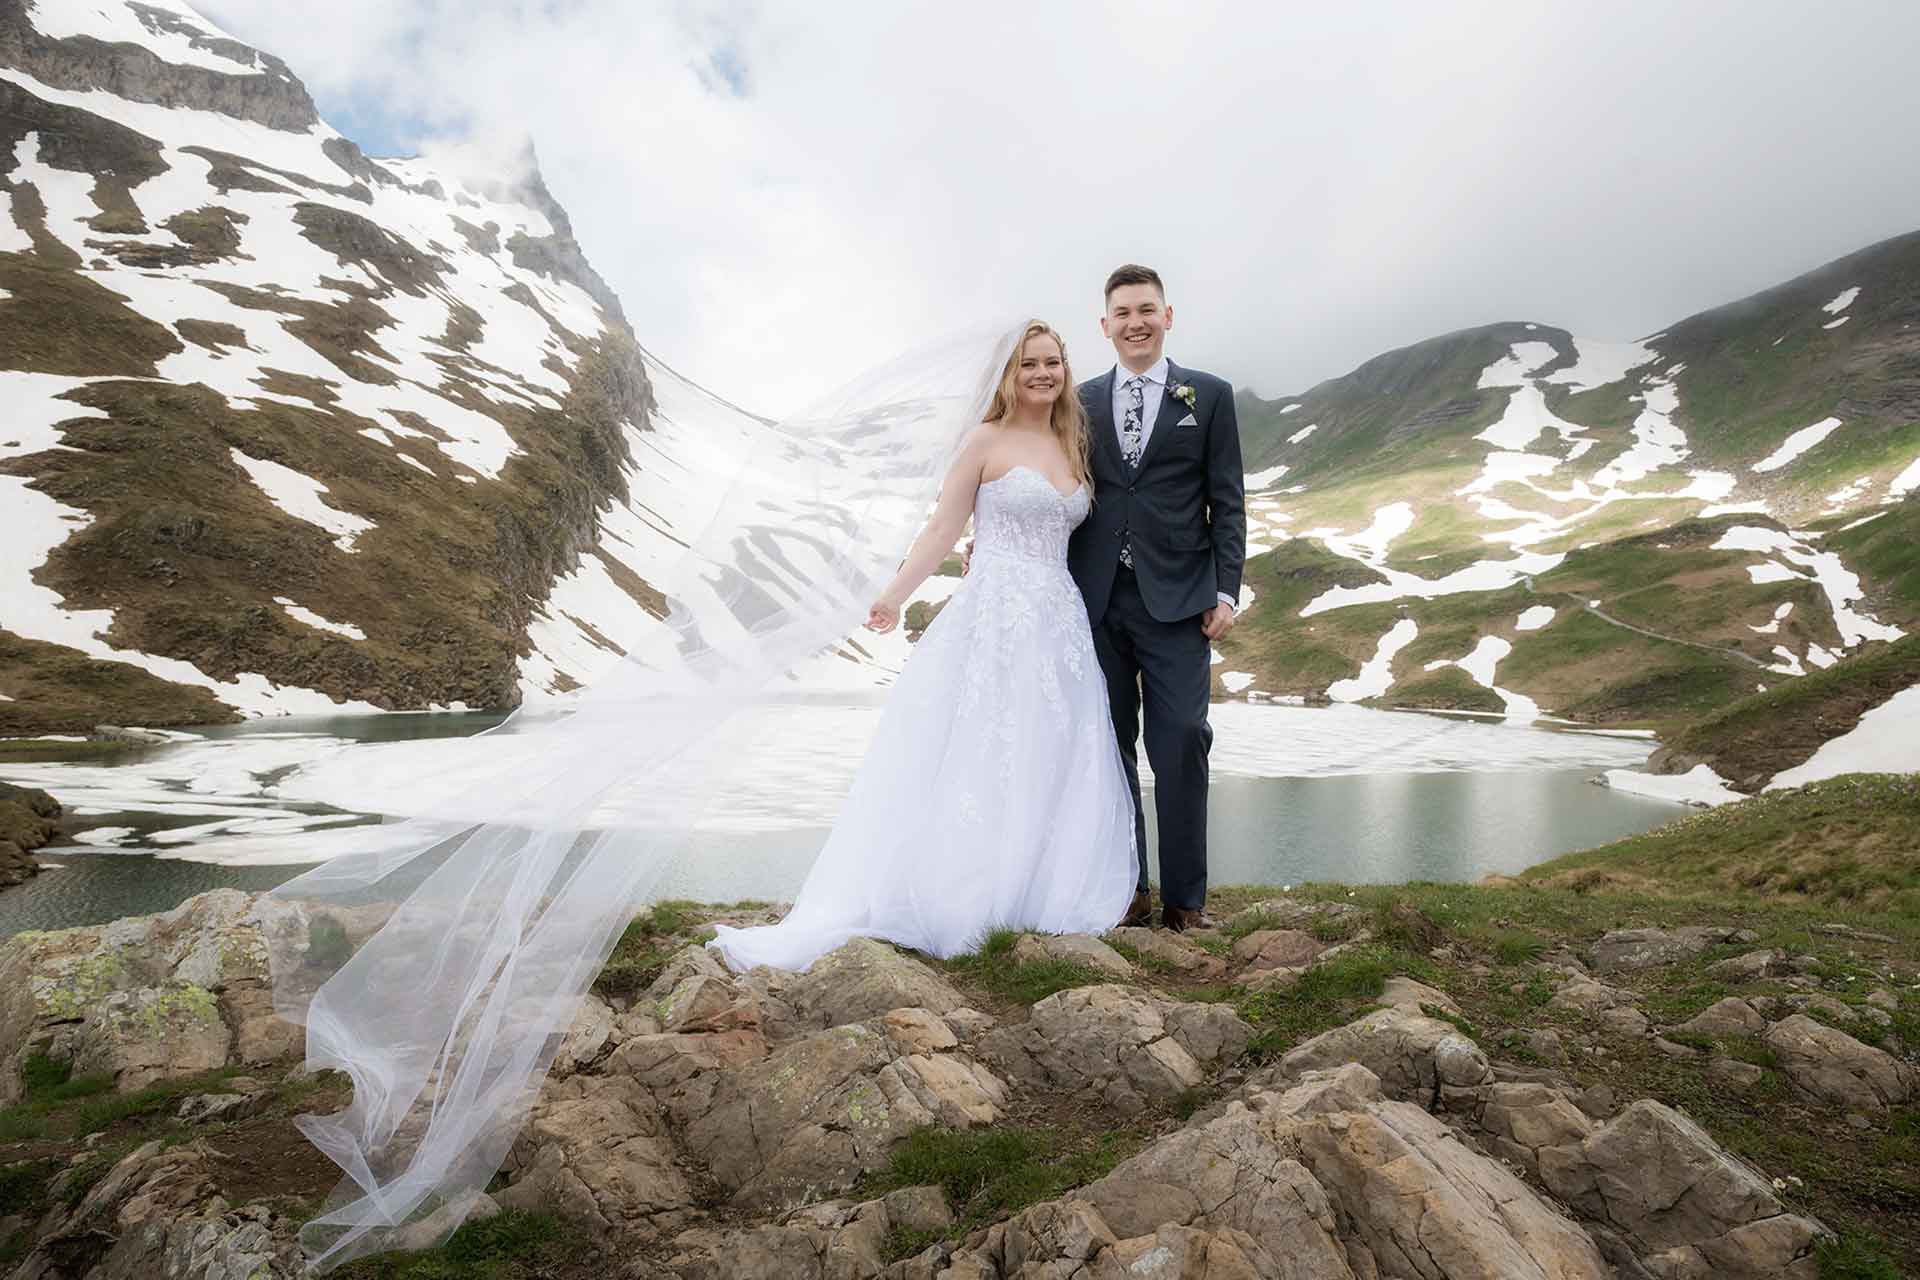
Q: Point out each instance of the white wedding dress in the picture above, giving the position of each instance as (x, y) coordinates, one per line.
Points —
(992, 794)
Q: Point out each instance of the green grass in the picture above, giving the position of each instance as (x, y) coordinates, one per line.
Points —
(511, 1244)
(1327, 995)
(646, 945)
(992, 1173)
(1854, 1254)
(994, 969)
(1851, 841)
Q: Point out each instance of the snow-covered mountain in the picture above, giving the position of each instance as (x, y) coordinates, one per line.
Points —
(1514, 520)
(284, 428)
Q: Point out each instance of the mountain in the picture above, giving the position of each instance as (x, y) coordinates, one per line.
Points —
(290, 428)
(1511, 519)
(293, 429)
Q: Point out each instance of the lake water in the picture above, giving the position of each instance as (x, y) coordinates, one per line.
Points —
(1299, 794)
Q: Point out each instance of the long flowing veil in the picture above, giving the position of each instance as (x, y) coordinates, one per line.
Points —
(441, 967)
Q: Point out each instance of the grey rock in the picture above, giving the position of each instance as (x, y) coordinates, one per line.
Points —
(1832, 1065)
(1729, 1017)
(1411, 1053)
(1074, 948)
(1123, 1046)
(1659, 1181)
(1625, 950)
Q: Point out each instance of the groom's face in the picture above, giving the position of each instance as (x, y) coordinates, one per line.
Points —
(1136, 322)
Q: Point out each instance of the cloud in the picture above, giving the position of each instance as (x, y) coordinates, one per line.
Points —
(784, 195)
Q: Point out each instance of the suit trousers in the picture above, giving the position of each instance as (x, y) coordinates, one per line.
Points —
(1164, 668)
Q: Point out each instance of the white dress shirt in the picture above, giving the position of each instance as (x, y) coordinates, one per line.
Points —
(1151, 397)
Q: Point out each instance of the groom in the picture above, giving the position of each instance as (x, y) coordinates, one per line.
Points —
(1158, 561)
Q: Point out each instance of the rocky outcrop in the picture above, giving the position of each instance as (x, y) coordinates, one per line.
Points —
(1625, 950)
(145, 998)
(28, 819)
(1832, 1065)
(1122, 1047)
(1072, 948)
(1415, 1056)
(816, 1113)
(158, 1215)
(827, 1241)
(1654, 1183)
(596, 1149)
(861, 979)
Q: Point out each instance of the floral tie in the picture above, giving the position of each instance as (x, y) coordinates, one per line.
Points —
(1131, 445)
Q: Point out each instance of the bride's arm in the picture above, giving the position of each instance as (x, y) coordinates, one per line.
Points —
(935, 543)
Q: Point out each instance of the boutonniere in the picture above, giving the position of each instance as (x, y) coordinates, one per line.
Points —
(1184, 393)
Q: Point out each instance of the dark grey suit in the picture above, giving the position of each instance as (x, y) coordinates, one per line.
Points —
(1182, 511)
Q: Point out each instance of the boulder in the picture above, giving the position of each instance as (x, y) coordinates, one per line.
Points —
(1832, 1065)
(29, 818)
(1730, 1017)
(1750, 967)
(157, 1215)
(1236, 1173)
(1520, 1119)
(1584, 995)
(1624, 1022)
(1073, 948)
(1424, 1204)
(1658, 1181)
(1125, 1047)
(860, 979)
(1174, 950)
(146, 998)
(1625, 950)
(596, 1150)
(1277, 949)
(816, 1113)
(834, 1240)
(1414, 1056)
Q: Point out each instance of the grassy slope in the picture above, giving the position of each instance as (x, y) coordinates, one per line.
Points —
(1758, 736)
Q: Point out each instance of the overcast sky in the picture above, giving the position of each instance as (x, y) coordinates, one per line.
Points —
(786, 193)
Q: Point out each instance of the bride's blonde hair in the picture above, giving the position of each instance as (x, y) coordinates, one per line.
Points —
(1068, 419)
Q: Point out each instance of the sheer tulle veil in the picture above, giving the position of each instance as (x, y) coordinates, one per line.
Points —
(440, 964)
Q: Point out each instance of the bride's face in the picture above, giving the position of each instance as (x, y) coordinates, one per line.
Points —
(1043, 372)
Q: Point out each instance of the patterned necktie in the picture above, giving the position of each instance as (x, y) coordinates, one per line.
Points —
(1132, 445)
(1130, 428)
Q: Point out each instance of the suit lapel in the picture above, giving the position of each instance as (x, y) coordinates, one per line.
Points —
(1101, 419)
(1171, 411)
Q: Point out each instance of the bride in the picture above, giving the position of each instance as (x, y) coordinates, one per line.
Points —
(993, 794)
(441, 960)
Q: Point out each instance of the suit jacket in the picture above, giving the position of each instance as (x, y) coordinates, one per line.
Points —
(1183, 508)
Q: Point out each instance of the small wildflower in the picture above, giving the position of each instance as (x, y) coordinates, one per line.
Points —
(1779, 1184)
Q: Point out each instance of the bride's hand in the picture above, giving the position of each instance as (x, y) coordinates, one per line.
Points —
(883, 617)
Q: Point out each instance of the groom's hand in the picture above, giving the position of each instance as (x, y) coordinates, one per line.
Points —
(1217, 621)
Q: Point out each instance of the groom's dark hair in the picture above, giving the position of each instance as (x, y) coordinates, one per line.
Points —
(1134, 273)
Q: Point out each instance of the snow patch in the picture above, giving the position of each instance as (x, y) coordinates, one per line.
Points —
(1303, 433)
(1259, 480)
(1600, 363)
(300, 613)
(1290, 408)
(1796, 444)
(1534, 618)
(1884, 741)
(1835, 324)
(1841, 584)
(1841, 301)
(300, 497)
(1376, 675)
(1701, 786)
(1235, 681)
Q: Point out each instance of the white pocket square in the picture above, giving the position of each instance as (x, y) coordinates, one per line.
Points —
(1188, 421)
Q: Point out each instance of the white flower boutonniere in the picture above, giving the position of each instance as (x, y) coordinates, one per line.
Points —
(1184, 393)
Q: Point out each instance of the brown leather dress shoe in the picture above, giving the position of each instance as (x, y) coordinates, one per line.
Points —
(1181, 919)
(1139, 911)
